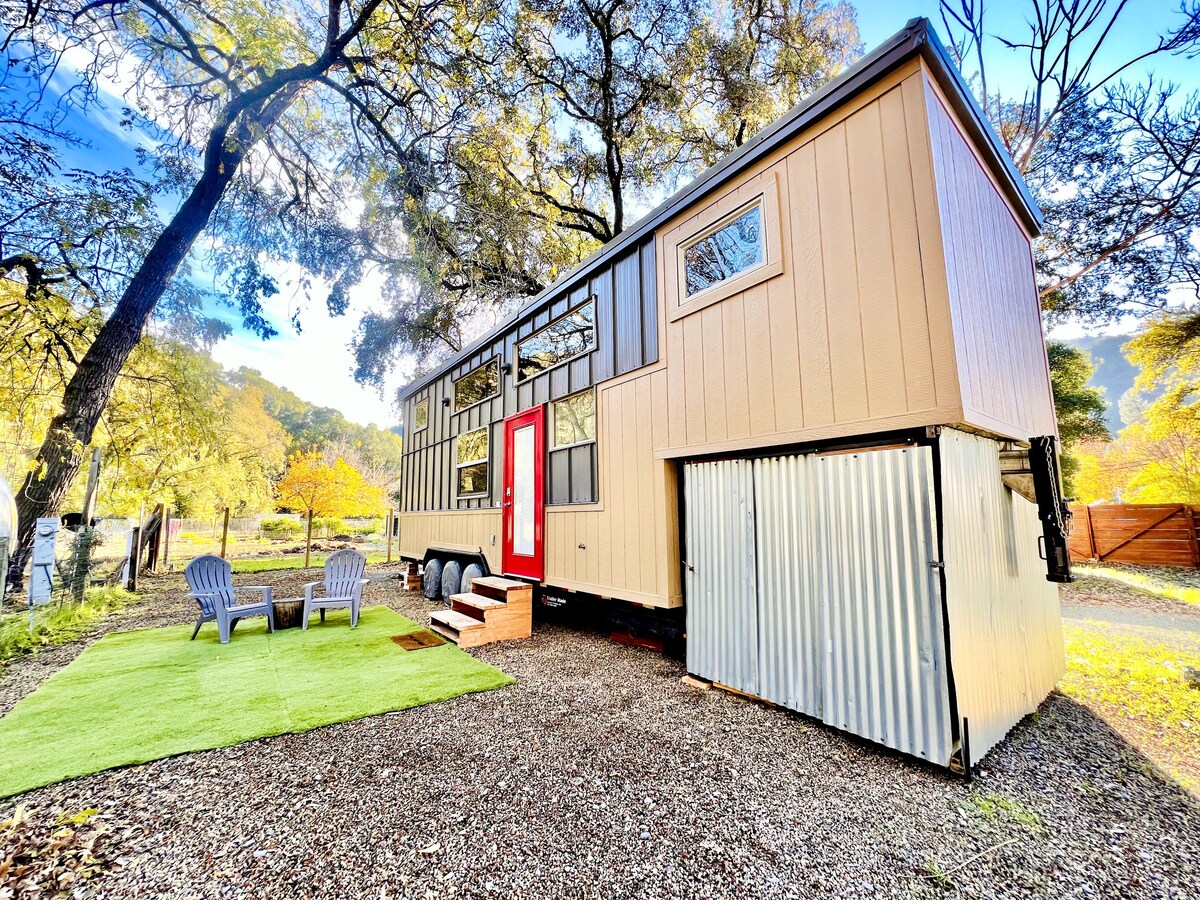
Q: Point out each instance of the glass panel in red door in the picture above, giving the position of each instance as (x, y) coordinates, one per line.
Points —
(524, 488)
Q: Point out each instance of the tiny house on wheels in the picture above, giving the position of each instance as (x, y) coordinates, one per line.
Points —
(804, 403)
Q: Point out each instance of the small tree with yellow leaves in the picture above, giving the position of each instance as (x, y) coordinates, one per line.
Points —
(320, 488)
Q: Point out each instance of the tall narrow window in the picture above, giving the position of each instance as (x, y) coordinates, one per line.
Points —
(421, 414)
(473, 463)
(563, 339)
(575, 419)
(731, 248)
(477, 385)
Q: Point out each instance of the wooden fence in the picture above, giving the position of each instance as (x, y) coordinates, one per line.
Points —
(1140, 534)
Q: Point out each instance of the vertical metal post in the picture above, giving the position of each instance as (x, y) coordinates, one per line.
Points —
(225, 533)
(390, 518)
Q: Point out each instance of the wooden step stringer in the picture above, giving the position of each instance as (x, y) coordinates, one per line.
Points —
(496, 609)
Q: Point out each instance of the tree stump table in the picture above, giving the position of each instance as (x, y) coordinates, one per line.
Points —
(288, 613)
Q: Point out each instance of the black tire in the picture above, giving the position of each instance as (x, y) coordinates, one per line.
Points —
(451, 579)
(470, 573)
(431, 583)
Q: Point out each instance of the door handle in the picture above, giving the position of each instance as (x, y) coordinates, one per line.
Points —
(508, 503)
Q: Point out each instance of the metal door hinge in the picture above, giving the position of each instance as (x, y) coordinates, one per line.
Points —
(936, 564)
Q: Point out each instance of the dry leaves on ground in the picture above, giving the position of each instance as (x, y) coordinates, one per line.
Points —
(45, 853)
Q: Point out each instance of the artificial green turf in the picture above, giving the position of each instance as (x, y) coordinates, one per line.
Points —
(135, 696)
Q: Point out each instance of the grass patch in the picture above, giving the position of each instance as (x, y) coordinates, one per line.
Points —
(280, 563)
(136, 696)
(1140, 689)
(1162, 588)
(992, 805)
(938, 876)
(57, 622)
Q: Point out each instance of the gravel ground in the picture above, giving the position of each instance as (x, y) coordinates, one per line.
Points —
(598, 774)
(1093, 588)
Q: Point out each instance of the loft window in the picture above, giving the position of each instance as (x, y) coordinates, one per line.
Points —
(575, 419)
(477, 385)
(421, 414)
(565, 338)
(732, 247)
(473, 463)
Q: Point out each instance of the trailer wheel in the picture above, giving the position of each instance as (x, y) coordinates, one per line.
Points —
(470, 573)
(431, 584)
(451, 579)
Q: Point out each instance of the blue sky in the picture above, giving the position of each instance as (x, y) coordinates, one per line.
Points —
(316, 363)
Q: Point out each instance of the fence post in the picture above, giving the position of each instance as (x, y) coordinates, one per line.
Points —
(391, 515)
(225, 532)
(166, 542)
(1190, 514)
(135, 557)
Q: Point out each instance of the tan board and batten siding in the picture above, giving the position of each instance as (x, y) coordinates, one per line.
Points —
(887, 313)
(890, 308)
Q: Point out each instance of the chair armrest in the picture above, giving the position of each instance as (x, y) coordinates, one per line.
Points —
(364, 581)
(264, 589)
(310, 588)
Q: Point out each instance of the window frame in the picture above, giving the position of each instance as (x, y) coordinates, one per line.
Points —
(494, 360)
(487, 458)
(720, 225)
(591, 299)
(554, 445)
(763, 191)
(416, 407)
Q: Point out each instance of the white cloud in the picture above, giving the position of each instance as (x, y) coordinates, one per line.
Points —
(317, 364)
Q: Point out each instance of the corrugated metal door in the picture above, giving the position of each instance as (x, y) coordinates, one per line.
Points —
(719, 575)
(885, 649)
(848, 610)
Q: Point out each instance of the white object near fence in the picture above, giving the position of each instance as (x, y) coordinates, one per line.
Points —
(41, 573)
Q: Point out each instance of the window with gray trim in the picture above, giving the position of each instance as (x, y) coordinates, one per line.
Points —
(472, 455)
(565, 338)
(575, 419)
(477, 385)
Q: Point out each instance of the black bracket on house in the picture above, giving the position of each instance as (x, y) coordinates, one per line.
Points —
(1053, 510)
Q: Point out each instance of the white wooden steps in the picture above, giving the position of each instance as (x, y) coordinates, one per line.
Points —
(496, 609)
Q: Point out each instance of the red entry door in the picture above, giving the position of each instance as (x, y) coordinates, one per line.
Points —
(524, 493)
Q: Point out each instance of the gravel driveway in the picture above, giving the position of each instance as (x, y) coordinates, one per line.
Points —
(598, 774)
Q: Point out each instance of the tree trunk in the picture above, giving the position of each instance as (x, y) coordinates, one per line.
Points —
(308, 539)
(90, 387)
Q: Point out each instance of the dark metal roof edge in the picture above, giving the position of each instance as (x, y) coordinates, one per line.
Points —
(968, 109)
(917, 36)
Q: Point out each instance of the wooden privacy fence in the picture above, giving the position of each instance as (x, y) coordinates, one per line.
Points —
(1147, 535)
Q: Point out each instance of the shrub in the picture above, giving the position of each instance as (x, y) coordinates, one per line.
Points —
(282, 528)
(326, 527)
(58, 622)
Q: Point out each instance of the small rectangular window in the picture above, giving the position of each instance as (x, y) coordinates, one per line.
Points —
(473, 463)
(575, 419)
(563, 339)
(732, 247)
(421, 414)
(477, 385)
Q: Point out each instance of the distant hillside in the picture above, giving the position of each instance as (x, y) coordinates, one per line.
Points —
(1113, 372)
(370, 448)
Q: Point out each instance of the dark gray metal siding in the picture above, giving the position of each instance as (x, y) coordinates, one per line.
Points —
(626, 339)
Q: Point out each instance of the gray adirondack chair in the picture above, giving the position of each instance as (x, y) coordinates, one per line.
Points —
(343, 586)
(211, 581)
